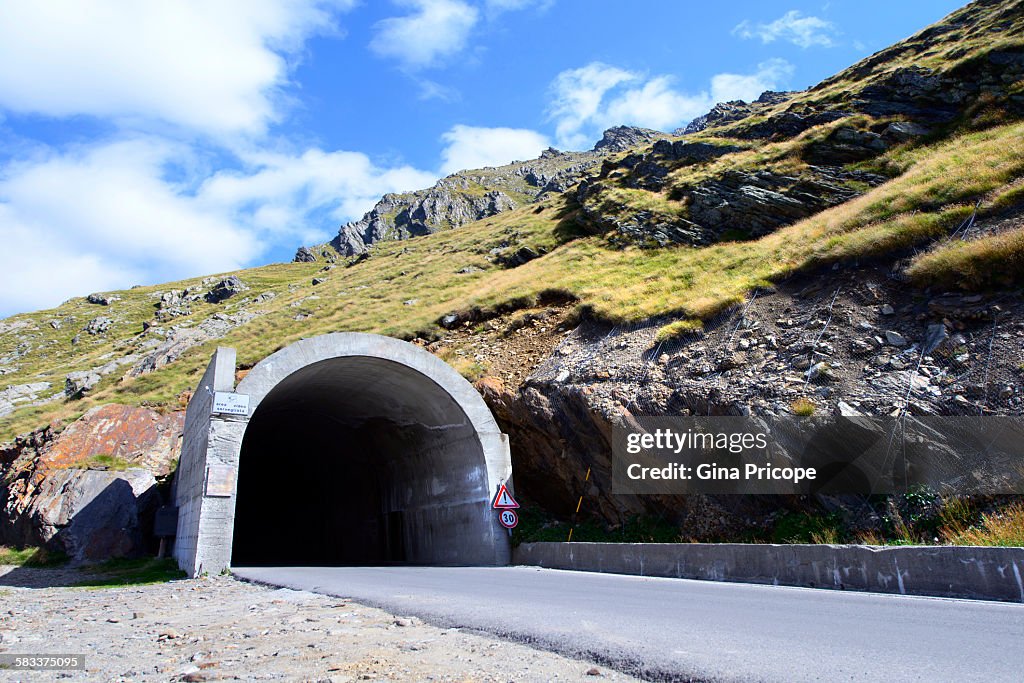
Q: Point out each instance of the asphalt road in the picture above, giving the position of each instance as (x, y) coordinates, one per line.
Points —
(675, 629)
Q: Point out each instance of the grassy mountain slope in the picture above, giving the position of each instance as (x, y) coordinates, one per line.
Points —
(971, 157)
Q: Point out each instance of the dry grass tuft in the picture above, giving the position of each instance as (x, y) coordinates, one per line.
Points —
(804, 407)
(987, 262)
(1003, 528)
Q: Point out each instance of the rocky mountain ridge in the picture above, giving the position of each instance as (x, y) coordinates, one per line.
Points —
(970, 61)
(471, 195)
(734, 110)
(746, 169)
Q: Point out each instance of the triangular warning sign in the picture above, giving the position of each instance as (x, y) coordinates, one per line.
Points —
(504, 500)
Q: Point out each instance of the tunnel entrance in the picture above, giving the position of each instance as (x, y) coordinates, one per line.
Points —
(359, 460)
(353, 449)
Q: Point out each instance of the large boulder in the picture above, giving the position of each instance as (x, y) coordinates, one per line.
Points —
(94, 515)
(102, 299)
(140, 437)
(90, 490)
(225, 289)
(78, 383)
(99, 325)
(304, 255)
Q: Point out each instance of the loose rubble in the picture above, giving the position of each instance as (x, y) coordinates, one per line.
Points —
(850, 342)
(219, 628)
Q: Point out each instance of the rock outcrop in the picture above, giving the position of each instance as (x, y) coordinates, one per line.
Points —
(944, 72)
(453, 202)
(91, 490)
(468, 196)
(20, 394)
(91, 515)
(225, 289)
(885, 100)
(102, 299)
(304, 255)
(734, 205)
(78, 383)
(734, 110)
(851, 342)
(98, 325)
(168, 345)
(623, 138)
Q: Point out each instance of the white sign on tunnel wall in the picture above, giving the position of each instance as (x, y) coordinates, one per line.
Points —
(228, 403)
(220, 481)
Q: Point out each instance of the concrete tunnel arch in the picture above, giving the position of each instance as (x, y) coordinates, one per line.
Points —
(357, 449)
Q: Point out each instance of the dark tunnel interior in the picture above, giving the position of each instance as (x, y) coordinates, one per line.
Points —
(360, 461)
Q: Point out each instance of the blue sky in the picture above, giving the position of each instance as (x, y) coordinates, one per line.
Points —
(142, 142)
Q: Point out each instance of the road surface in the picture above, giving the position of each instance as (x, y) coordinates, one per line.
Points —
(681, 630)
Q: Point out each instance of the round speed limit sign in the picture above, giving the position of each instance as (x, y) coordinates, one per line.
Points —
(508, 518)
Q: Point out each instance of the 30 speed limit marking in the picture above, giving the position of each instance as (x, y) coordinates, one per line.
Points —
(508, 518)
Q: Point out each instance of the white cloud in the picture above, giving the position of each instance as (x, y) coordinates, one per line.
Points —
(108, 216)
(792, 27)
(578, 94)
(277, 193)
(434, 30)
(469, 147)
(495, 7)
(432, 90)
(506, 5)
(189, 183)
(768, 76)
(216, 67)
(112, 199)
(653, 105)
(587, 100)
(49, 271)
(102, 218)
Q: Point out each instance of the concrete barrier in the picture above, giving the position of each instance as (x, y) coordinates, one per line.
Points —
(981, 573)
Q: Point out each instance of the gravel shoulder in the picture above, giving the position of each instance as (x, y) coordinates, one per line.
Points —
(219, 628)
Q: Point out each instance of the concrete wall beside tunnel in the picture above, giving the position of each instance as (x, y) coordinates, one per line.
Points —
(357, 449)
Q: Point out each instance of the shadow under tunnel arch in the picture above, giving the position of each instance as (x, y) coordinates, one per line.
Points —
(361, 460)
